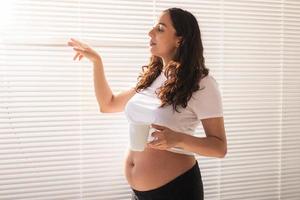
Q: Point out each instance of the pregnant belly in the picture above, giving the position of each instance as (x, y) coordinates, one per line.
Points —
(153, 168)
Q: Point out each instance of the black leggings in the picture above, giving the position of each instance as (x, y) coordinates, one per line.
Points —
(187, 186)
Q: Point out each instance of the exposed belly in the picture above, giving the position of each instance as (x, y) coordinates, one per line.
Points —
(153, 168)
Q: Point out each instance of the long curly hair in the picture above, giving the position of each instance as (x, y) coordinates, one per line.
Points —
(185, 70)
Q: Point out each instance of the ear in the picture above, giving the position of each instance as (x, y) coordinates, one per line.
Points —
(179, 41)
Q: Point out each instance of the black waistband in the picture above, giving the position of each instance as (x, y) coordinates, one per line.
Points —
(181, 179)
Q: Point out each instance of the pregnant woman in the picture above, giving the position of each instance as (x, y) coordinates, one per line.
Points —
(174, 93)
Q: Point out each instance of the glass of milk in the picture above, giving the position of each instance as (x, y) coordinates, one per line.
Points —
(139, 134)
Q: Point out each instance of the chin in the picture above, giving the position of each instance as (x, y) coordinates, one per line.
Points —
(154, 53)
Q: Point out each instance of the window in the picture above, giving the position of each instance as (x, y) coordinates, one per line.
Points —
(54, 142)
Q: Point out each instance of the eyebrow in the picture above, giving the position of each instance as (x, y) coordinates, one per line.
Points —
(162, 24)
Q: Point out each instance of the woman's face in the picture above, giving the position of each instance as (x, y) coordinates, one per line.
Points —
(163, 41)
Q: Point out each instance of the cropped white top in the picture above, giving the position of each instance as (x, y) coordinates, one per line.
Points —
(143, 108)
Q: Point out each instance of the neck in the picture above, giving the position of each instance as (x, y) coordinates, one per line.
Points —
(165, 63)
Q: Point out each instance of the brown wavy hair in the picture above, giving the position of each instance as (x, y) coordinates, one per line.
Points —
(185, 70)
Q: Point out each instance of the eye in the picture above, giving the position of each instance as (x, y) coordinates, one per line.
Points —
(159, 28)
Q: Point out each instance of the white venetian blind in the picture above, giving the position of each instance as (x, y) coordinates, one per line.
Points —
(252, 67)
(290, 143)
(54, 142)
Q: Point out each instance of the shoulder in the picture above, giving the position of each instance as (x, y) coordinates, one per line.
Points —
(208, 83)
(208, 89)
(209, 79)
(206, 102)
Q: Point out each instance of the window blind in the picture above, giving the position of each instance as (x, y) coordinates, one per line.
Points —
(54, 142)
(252, 68)
(290, 73)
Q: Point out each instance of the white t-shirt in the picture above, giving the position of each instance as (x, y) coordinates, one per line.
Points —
(143, 108)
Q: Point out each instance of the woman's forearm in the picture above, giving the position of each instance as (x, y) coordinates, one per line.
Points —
(102, 90)
(204, 146)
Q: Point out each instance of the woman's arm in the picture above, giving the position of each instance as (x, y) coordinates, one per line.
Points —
(102, 90)
(213, 145)
(107, 101)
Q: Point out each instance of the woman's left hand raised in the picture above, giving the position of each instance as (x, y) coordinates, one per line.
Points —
(165, 138)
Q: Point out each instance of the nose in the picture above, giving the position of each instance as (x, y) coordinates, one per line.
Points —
(150, 33)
